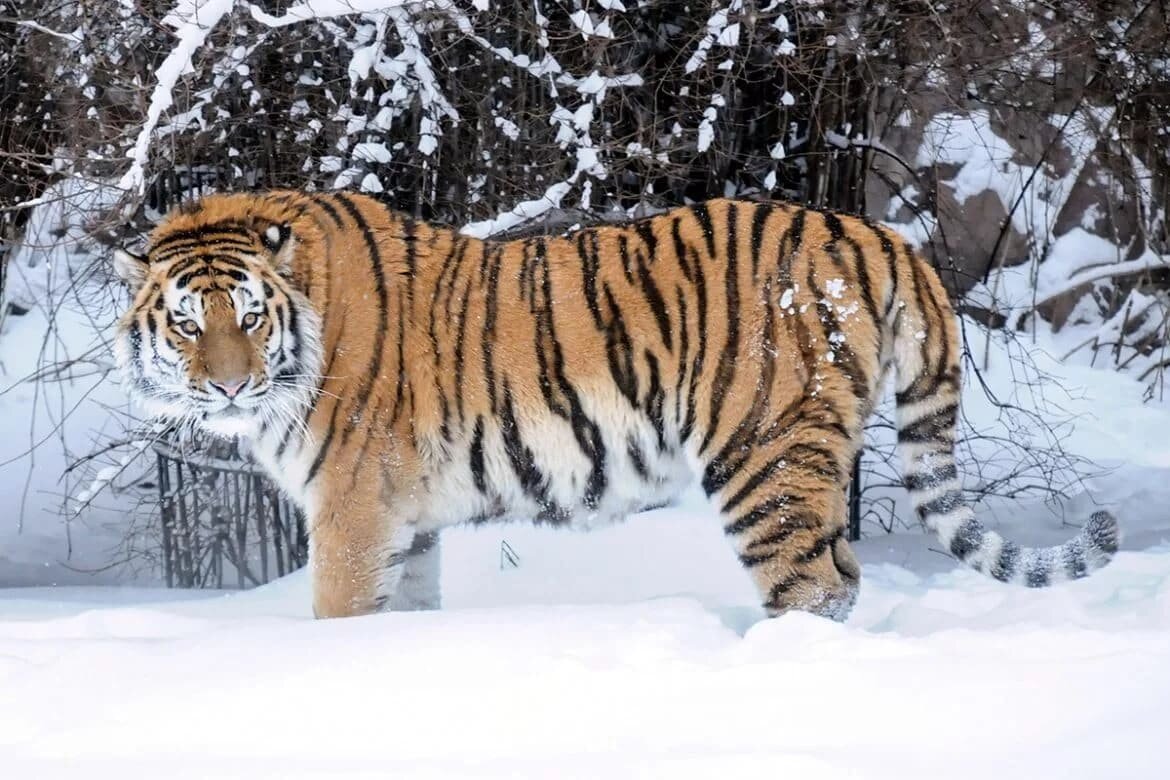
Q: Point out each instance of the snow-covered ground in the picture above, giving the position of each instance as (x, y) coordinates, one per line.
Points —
(634, 653)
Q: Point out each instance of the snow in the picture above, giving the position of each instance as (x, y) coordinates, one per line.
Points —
(570, 667)
(56, 402)
(193, 21)
(321, 9)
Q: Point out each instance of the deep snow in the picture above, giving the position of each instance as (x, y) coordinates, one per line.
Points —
(948, 675)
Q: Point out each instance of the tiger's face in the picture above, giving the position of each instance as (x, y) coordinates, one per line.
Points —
(216, 336)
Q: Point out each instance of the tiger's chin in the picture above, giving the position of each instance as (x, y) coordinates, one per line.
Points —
(229, 423)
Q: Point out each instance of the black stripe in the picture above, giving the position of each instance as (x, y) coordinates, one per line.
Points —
(700, 351)
(231, 273)
(229, 231)
(645, 230)
(750, 561)
(683, 355)
(725, 371)
(624, 254)
(324, 449)
(183, 282)
(134, 335)
(843, 355)
(488, 335)
(478, 472)
(737, 449)
(928, 373)
(655, 300)
(703, 215)
(1076, 565)
(619, 349)
(284, 441)
(374, 372)
(445, 268)
(520, 456)
(834, 226)
(931, 478)
(327, 207)
(754, 481)
(455, 276)
(931, 427)
(814, 460)
(861, 265)
(218, 260)
(784, 531)
(409, 237)
(967, 539)
(176, 248)
(891, 265)
(655, 400)
(759, 512)
(760, 215)
(725, 465)
(820, 546)
(401, 378)
(784, 585)
(460, 339)
(637, 457)
(1007, 563)
(586, 432)
(942, 505)
(790, 245)
(589, 266)
(680, 249)
(1038, 574)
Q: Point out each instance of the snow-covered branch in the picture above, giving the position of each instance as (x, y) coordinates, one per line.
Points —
(193, 22)
(1149, 261)
(324, 9)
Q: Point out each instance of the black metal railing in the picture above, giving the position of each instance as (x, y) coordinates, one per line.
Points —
(223, 524)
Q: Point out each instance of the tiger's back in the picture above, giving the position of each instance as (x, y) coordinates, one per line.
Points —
(577, 378)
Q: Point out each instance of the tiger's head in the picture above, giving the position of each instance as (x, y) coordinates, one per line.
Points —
(217, 335)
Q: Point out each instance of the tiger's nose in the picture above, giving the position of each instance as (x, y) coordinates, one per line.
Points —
(230, 388)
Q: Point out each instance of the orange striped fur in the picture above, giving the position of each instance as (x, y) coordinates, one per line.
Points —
(428, 378)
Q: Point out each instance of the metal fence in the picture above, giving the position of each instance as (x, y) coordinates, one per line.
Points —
(224, 525)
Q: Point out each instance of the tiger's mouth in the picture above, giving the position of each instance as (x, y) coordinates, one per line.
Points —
(231, 411)
(230, 419)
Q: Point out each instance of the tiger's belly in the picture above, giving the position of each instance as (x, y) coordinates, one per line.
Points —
(549, 472)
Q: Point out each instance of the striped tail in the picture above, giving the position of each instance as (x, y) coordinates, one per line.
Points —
(926, 356)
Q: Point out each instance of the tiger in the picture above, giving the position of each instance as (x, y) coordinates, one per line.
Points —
(395, 377)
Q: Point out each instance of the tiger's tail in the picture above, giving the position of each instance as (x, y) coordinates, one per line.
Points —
(926, 356)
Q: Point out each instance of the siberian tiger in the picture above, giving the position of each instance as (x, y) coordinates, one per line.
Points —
(395, 377)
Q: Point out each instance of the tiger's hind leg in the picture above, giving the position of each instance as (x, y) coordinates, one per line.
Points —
(418, 585)
(785, 513)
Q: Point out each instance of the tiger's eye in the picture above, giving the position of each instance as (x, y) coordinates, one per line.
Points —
(250, 320)
(189, 328)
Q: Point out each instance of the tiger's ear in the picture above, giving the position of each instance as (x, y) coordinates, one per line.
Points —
(130, 268)
(278, 239)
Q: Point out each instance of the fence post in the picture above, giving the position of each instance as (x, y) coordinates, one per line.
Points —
(855, 501)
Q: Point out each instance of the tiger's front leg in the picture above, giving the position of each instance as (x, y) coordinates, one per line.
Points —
(358, 550)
